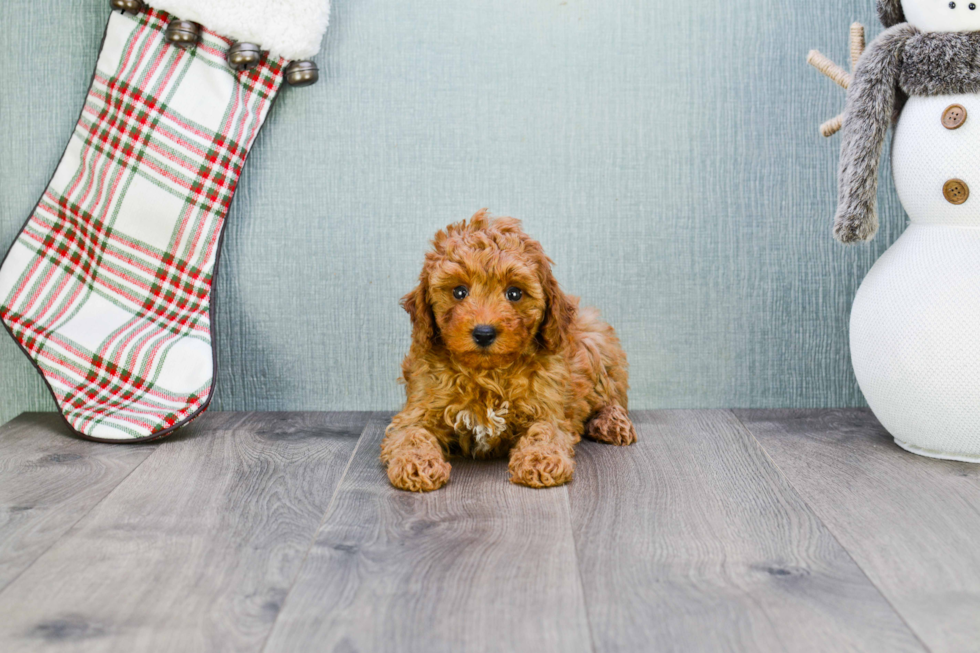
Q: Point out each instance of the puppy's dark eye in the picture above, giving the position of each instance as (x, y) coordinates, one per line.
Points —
(460, 292)
(514, 294)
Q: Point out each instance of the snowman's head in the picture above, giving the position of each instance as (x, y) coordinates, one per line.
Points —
(932, 15)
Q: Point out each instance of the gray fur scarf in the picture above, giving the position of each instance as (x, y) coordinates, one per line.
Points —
(901, 62)
(890, 12)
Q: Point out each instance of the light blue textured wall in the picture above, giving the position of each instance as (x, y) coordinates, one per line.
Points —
(666, 154)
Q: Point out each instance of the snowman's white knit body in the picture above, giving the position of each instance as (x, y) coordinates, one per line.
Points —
(915, 323)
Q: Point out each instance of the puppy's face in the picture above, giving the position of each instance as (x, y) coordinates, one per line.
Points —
(488, 305)
(487, 295)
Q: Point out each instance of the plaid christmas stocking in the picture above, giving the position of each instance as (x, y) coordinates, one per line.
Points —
(108, 286)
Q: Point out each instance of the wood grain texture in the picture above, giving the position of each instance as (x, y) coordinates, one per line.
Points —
(481, 565)
(691, 540)
(911, 523)
(194, 551)
(49, 480)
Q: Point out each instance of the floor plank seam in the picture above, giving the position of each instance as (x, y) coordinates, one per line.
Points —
(316, 531)
(578, 570)
(830, 530)
(74, 524)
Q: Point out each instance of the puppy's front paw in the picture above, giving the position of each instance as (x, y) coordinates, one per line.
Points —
(612, 425)
(418, 471)
(541, 466)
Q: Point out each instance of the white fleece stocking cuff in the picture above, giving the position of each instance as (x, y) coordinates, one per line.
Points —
(291, 29)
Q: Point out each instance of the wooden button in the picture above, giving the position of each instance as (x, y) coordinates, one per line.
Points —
(954, 116)
(956, 191)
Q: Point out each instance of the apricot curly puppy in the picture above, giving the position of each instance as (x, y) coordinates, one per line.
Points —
(502, 361)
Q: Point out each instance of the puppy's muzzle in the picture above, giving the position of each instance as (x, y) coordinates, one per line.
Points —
(484, 335)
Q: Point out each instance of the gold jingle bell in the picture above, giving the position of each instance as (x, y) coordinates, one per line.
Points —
(244, 56)
(132, 6)
(302, 73)
(183, 33)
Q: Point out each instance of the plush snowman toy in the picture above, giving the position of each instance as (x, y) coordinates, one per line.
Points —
(915, 324)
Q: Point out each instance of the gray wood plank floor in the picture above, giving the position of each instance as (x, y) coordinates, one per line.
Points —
(48, 482)
(193, 551)
(738, 562)
(484, 565)
(912, 524)
(718, 530)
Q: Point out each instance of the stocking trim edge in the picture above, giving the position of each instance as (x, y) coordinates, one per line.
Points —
(291, 29)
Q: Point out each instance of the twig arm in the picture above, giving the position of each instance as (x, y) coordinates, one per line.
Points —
(832, 126)
(857, 44)
(840, 76)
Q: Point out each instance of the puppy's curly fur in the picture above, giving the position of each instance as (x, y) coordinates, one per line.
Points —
(552, 372)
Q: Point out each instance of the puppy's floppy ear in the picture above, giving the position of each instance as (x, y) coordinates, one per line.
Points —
(416, 304)
(559, 312)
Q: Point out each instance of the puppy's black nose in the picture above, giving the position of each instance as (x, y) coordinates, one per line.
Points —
(484, 335)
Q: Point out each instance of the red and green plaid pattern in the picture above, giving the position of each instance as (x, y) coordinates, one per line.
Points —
(108, 286)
